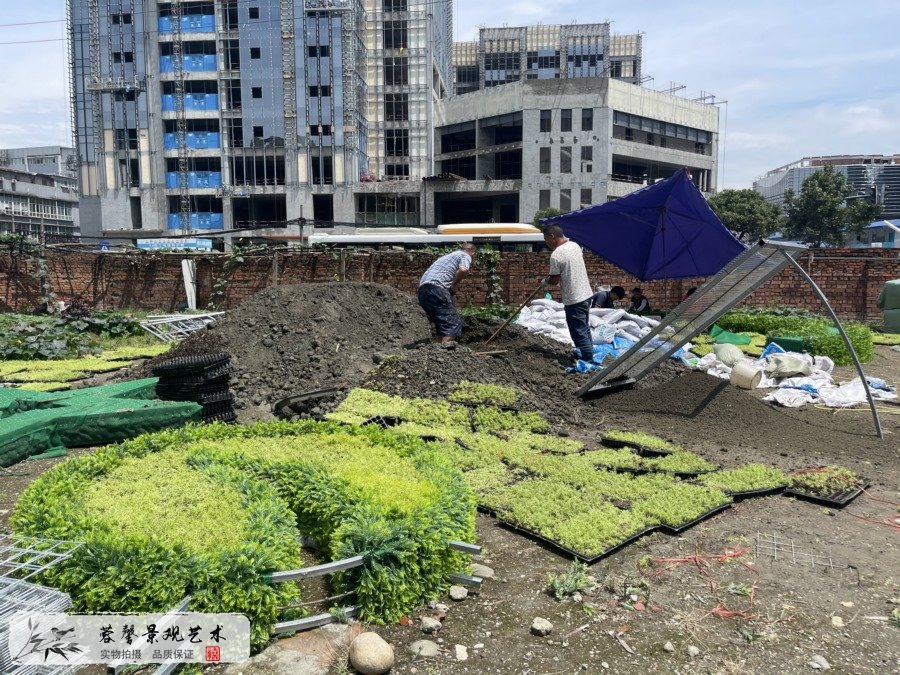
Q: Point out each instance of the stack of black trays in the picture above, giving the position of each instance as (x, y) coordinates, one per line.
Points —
(201, 379)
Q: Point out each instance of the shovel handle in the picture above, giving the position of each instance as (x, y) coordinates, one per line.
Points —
(514, 314)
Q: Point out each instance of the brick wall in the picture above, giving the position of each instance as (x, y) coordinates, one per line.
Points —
(850, 278)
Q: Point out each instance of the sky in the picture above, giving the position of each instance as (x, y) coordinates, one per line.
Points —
(800, 77)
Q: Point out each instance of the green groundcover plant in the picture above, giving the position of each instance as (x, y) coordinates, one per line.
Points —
(363, 404)
(639, 439)
(356, 490)
(156, 529)
(680, 462)
(745, 478)
(680, 503)
(615, 459)
(825, 481)
(494, 420)
(477, 392)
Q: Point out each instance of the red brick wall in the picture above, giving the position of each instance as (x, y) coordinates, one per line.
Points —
(850, 278)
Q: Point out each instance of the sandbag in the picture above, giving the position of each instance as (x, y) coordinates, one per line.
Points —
(787, 365)
(603, 334)
(728, 354)
(630, 327)
(594, 321)
(543, 302)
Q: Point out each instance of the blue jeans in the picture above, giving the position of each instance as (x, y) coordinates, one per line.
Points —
(438, 305)
(579, 328)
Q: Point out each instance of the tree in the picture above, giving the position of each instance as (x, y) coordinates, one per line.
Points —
(746, 213)
(544, 213)
(822, 215)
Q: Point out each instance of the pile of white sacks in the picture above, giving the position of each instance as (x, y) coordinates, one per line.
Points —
(547, 317)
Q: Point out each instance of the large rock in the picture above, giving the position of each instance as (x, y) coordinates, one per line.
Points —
(541, 627)
(483, 571)
(430, 625)
(371, 655)
(425, 648)
(458, 593)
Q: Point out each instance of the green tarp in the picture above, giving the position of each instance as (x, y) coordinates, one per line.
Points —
(32, 422)
(724, 337)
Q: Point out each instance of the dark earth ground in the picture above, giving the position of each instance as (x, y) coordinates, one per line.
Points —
(791, 617)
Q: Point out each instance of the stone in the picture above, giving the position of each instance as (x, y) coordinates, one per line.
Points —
(425, 648)
(483, 571)
(541, 627)
(819, 662)
(480, 645)
(430, 625)
(371, 655)
(577, 597)
(267, 342)
(604, 664)
(439, 606)
(458, 593)
(693, 651)
(462, 654)
(669, 647)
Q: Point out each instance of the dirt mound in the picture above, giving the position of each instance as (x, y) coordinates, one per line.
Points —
(290, 339)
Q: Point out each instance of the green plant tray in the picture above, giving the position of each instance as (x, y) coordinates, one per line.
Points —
(838, 500)
(556, 546)
(790, 343)
(669, 529)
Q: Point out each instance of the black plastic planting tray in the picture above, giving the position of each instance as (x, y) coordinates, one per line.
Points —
(555, 545)
(480, 404)
(837, 500)
(762, 492)
(681, 528)
(191, 365)
(640, 449)
(196, 379)
(384, 421)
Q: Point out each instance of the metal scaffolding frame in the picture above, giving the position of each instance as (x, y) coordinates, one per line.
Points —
(731, 286)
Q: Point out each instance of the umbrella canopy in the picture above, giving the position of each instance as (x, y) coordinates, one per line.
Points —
(663, 231)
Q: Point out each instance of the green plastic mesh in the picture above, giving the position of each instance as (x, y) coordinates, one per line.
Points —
(33, 422)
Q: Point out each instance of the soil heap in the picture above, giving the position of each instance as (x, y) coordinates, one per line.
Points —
(287, 340)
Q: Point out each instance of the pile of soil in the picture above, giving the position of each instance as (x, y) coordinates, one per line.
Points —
(290, 339)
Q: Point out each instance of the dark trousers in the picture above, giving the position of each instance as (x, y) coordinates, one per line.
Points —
(577, 320)
(441, 310)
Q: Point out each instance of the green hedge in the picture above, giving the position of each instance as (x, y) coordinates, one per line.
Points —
(357, 491)
(145, 549)
(814, 331)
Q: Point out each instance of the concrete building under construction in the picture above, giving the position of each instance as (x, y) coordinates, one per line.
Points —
(215, 115)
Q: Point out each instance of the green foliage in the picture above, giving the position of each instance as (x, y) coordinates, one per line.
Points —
(680, 503)
(614, 459)
(477, 392)
(146, 547)
(497, 312)
(814, 331)
(745, 478)
(639, 439)
(555, 444)
(489, 419)
(544, 213)
(889, 339)
(571, 581)
(821, 214)
(680, 462)
(746, 213)
(50, 340)
(488, 259)
(362, 404)
(563, 513)
(825, 481)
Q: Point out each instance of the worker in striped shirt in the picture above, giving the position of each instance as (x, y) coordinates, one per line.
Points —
(437, 288)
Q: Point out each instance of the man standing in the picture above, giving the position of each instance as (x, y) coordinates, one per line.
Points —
(437, 288)
(567, 269)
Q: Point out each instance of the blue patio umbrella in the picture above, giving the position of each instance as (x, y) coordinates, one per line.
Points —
(663, 231)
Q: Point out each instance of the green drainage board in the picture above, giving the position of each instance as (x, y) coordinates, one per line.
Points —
(32, 422)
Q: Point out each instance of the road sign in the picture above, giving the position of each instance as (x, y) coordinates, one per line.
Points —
(103, 246)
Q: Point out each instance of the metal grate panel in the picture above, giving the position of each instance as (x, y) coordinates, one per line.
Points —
(733, 284)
